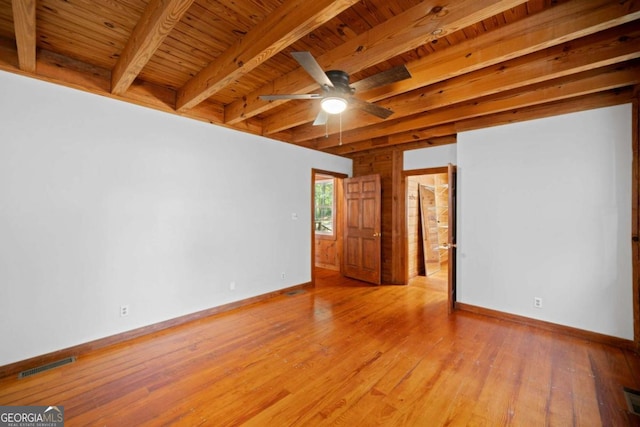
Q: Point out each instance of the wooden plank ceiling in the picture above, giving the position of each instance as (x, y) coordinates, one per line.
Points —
(474, 63)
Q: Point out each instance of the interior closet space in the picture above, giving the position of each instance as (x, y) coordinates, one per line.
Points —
(427, 223)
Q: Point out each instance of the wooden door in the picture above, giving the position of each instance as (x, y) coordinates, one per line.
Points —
(362, 230)
(452, 171)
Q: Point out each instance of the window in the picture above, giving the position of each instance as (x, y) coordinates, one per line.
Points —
(324, 206)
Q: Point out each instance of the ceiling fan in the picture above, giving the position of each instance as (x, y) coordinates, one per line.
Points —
(337, 94)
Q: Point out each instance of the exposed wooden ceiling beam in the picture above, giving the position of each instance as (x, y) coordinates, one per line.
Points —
(24, 23)
(588, 82)
(288, 23)
(564, 106)
(559, 24)
(438, 133)
(413, 145)
(404, 32)
(157, 21)
(609, 47)
(59, 69)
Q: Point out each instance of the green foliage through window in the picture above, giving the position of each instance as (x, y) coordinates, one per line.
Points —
(323, 212)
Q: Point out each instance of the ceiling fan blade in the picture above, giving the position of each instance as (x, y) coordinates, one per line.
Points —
(311, 66)
(370, 108)
(291, 96)
(321, 118)
(392, 75)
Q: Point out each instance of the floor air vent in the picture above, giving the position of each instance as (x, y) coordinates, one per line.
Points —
(296, 292)
(46, 367)
(633, 400)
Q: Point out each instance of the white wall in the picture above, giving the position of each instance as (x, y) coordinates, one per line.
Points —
(545, 211)
(431, 157)
(104, 203)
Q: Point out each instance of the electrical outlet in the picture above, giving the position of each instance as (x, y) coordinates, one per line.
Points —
(282, 275)
(124, 310)
(537, 302)
(232, 286)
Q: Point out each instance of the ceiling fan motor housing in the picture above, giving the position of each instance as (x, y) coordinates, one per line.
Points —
(340, 80)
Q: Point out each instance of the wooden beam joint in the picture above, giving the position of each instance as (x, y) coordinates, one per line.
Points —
(24, 23)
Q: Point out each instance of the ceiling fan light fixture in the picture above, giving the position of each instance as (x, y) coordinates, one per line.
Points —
(334, 104)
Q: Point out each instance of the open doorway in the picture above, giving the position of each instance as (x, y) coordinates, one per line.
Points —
(326, 211)
(427, 222)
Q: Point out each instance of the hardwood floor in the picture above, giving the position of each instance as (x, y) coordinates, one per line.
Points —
(343, 353)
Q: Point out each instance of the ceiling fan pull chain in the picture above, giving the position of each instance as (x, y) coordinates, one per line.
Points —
(340, 143)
